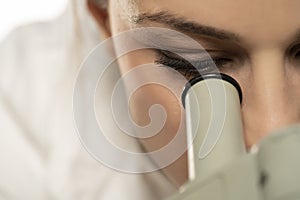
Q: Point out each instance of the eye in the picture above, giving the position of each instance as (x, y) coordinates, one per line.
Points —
(295, 52)
(193, 67)
(297, 55)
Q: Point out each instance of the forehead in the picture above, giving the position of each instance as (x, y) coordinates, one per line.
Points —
(256, 20)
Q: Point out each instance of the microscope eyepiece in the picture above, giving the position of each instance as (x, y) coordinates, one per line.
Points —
(202, 77)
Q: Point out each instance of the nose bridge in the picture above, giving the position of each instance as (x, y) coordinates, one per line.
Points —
(268, 99)
(269, 79)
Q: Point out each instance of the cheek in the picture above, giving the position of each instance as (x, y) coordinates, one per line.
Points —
(141, 102)
(156, 85)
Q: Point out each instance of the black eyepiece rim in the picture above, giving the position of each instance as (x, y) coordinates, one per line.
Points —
(202, 77)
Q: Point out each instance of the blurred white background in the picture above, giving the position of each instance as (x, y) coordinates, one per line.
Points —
(18, 12)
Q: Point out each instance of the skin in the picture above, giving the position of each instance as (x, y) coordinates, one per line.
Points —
(266, 62)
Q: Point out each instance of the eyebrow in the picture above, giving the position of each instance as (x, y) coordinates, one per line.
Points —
(184, 25)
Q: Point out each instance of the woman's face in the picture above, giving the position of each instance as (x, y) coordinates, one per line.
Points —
(259, 45)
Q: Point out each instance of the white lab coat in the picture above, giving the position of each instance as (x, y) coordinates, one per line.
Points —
(41, 156)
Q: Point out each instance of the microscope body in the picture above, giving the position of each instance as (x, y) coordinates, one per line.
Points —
(220, 168)
(272, 173)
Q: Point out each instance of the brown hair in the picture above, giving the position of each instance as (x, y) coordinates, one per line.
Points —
(102, 3)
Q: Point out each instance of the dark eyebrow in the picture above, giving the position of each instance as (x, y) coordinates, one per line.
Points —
(181, 24)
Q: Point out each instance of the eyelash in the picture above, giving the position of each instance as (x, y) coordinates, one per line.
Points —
(185, 67)
(297, 55)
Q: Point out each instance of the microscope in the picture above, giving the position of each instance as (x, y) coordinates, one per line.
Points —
(220, 167)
